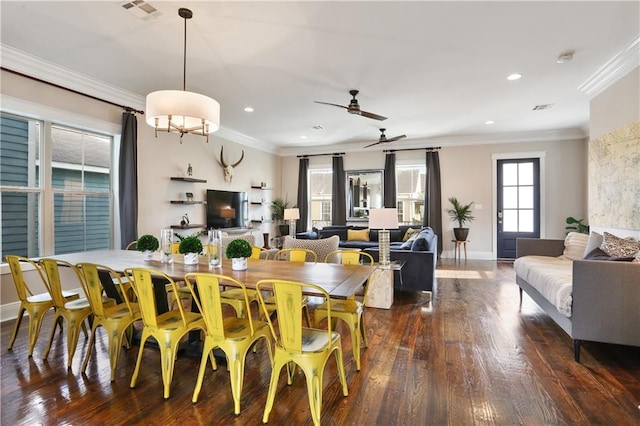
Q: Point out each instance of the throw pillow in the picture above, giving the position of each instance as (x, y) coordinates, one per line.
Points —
(599, 254)
(409, 242)
(619, 247)
(410, 232)
(637, 258)
(595, 240)
(574, 245)
(358, 235)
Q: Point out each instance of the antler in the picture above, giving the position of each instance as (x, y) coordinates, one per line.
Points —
(239, 161)
(222, 157)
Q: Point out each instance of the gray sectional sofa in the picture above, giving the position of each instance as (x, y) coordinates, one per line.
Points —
(591, 300)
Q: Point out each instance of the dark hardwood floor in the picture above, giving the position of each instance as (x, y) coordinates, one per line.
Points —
(471, 356)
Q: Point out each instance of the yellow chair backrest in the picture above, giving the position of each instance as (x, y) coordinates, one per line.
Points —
(175, 248)
(255, 252)
(297, 255)
(52, 270)
(132, 245)
(143, 286)
(289, 302)
(208, 299)
(22, 288)
(95, 288)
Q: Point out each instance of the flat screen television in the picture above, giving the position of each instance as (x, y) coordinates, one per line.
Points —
(227, 209)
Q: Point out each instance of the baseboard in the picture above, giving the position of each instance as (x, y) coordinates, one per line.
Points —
(9, 311)
(471, 255)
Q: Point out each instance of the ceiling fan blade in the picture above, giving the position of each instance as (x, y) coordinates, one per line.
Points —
(372, 115)
(397, 138)
(327, 103)
(375, 143)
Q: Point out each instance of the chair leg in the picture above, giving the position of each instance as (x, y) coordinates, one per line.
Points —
(53, 330)
(92, 340)
(143, 339)
(235, 363)
(365, 343)
(314, 389)
(206, 355)
(168, 359)
(17, 326)
(305, 308)
(355, 342)
(273, 385)
(343, 376)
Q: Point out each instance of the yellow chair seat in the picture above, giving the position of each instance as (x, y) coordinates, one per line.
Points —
(317, 340)
(235, 298)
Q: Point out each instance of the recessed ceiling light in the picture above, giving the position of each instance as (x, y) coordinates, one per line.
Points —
(248, 109)
(489, 122)
(303, 137)
(514, 76)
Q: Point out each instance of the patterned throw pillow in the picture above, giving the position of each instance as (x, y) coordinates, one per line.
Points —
(637, 258)
(358, 235)
(619, 247)
(321, 247)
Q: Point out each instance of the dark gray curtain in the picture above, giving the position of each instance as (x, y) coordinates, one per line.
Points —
(390, 181)
(338, 193)
(128, 179)
(303, 195)
(433, 197)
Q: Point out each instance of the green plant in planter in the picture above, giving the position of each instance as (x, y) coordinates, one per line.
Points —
(147, 242)
(238, 249)
(190, 244)
(460, 213)
(576, 225)
(277, 214)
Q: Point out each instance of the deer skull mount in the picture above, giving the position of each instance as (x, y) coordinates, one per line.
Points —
(228, 168)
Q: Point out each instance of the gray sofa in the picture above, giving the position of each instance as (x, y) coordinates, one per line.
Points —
(605, 295)
(419, 254)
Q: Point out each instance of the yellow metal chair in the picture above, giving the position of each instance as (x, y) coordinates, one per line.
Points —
(349, 257)
(116, 319)
(74, 312)
(233, 335)
(307, 348)
(296, 255)
(256, 252)
(132, 245)
(351, 311)
(35, 305)
(235, 296)
(167, 328)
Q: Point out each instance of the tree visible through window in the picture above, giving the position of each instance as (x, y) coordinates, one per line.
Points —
(320, 190)
(410, 181)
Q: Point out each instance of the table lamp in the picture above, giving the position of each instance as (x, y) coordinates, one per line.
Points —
(227, 214)
(384, 219)
(292, 215)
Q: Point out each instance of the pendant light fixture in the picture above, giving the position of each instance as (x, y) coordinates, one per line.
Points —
(179, 111)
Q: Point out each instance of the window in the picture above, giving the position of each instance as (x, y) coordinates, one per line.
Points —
(320, 189)
(410, 181)
(72, 168)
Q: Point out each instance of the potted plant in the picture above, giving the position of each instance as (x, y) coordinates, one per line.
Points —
(147, 244)
(190, 247)
(460, 213)
(238, 251)
(576, 225)
(277, 214)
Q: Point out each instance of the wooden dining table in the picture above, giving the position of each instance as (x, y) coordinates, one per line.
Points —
(339, 281)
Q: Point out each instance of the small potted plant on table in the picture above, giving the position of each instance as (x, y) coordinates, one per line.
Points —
(147, 244)
(190, 247)
(460, 213)
(238, 251)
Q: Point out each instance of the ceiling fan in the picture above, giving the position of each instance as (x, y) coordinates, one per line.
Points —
(383, 138)
(354, 107)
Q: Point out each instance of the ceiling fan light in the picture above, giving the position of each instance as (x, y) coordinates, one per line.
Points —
(186, 110)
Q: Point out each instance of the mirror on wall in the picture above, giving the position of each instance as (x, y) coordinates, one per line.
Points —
(364, 192)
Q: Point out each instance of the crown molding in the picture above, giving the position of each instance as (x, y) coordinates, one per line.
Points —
(449, 141)
(616, 68)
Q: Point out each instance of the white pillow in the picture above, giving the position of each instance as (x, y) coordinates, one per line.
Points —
(574, 246)
(595, 240)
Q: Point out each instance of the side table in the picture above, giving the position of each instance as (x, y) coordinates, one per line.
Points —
(380, 286)
(456, 251)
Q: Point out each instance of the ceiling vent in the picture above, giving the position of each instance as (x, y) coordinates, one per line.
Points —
(316, 127)
(140, 9)
(542, 106)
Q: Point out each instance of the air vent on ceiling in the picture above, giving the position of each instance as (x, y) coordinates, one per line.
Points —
(140, 9)
(316, 127)
(542, 106)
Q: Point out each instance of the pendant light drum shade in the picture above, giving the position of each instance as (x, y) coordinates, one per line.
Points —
(182, 110)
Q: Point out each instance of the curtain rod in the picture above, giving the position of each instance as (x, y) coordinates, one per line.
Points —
(434, 148)
(318, 155)
(126, 108)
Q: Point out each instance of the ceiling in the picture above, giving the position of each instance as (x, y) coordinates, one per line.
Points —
(437, 70)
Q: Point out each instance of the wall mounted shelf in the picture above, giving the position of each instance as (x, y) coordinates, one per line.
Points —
(187, 202)
(190, 226)
(188, 179)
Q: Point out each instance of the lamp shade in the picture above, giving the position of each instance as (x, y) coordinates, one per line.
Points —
(291, 214)
(187, 110)
(383, 218)
(228, 213)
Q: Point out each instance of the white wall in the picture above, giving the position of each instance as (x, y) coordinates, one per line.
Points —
(467, 173)
(616, 106)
